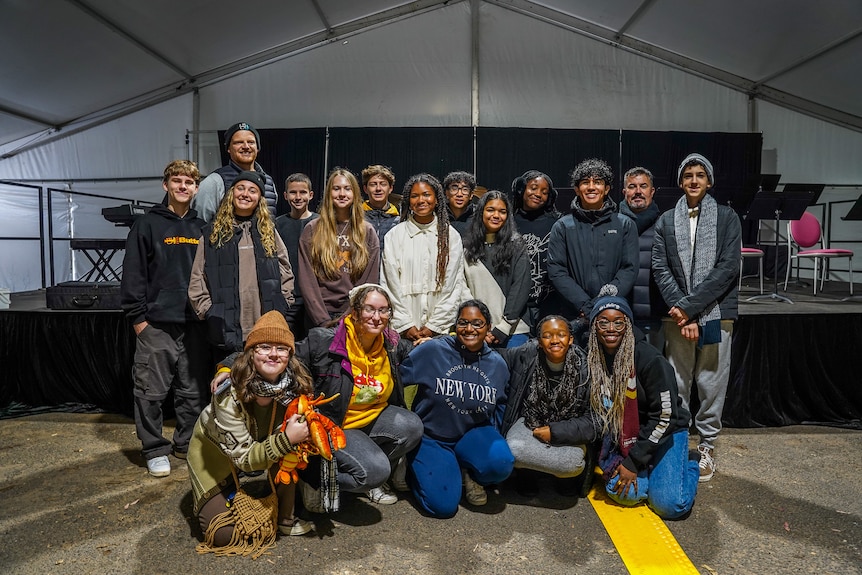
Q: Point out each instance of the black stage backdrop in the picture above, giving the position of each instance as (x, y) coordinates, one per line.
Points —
(790, 369)
(76, 360)
(503, 154)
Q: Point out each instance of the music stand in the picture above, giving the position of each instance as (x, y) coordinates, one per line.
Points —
(855, 212)
(816, 189)
(780, 206)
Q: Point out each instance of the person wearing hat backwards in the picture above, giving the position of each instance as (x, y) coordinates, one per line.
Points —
(642, 424)
(241, 268)
(243, 144)
(695, 261)
(239, 427)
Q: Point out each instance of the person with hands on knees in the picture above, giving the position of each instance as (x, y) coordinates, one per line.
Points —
(238, 428)
(359, 359)
(644, 427)
(549, 425)
(460, 397)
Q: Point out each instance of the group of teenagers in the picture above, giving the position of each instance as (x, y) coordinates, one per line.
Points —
(462, 338)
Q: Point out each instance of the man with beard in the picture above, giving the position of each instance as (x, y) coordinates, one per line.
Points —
(648, 305)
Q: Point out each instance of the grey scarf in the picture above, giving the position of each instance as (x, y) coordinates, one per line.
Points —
(697, 268)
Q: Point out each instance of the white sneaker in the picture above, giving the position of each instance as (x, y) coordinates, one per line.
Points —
(707, 463)
(382, 496)
(159, 466)
(296, 527)
(399, 476)
(474, 492)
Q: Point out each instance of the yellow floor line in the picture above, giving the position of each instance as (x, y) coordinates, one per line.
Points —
(645, 544)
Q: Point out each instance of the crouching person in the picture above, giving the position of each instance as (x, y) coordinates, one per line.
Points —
(238, 430)
(644, 454)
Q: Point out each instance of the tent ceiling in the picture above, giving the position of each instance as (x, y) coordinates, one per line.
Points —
(77, 63)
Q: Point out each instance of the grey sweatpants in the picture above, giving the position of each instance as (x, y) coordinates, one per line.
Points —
(530, 453)
(708, 368)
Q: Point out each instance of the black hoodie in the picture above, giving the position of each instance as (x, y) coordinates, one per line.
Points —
(160, 250)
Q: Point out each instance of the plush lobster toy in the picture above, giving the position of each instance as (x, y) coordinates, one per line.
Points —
(326, 437)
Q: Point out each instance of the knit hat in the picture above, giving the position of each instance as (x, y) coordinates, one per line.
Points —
(236, 128)
(270, 328)
(695, 158)
(249, 176)
(608, 299)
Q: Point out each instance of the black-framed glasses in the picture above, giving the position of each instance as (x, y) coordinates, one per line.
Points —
(476, 323)
(607, 325)
(383, 312)
(459, 190)
(266, 349)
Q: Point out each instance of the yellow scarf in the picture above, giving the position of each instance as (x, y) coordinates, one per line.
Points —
(372, 379)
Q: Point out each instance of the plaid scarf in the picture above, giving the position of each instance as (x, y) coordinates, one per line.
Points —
(555, 398)
(281, 390)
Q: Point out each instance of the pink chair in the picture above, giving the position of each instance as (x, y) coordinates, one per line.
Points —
(804, 233)
(752, 253)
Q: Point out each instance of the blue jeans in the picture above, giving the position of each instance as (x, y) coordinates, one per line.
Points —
(435, 468)
(371, 452)
(517, 339)
(670, 485)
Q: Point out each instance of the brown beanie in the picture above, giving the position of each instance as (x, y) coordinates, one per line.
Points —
(270, 328)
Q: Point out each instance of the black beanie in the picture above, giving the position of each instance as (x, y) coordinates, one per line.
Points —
(236, 128)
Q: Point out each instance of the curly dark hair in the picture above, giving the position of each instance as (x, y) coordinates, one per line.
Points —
(507, 244)
(456, 177)
(519, 185)
(592, 168)
(441, 210)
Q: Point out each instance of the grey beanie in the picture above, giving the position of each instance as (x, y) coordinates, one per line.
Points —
(695, 158)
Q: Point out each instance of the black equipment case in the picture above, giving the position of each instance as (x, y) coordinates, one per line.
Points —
(84, 296)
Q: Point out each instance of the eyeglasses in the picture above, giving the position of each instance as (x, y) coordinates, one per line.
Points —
(383, 312)
(476, 323)
(459, 190)
(617, 324)
(266, 349)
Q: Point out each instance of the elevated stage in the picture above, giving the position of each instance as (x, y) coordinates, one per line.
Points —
(792, 363)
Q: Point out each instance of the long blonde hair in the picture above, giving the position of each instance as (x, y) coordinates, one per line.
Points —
(225, 221)
(324, 239)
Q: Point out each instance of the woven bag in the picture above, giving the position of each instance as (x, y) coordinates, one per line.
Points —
(254, 521)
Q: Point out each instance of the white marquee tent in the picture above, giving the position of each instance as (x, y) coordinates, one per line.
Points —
(98, 95)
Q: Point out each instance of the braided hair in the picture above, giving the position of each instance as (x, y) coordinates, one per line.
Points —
(610, 383)
(441, 211)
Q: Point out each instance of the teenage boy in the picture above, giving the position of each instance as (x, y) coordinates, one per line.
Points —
(459, 188)
(171, 349)
(695, 259)
(298, 194)
(593, 245)
(243, 144)
(378, 182)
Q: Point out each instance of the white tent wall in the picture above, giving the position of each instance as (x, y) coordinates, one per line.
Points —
(123, 160)
(413, 72)
(535, 74)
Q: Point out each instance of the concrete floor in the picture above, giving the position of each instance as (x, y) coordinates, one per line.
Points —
(76, 498)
